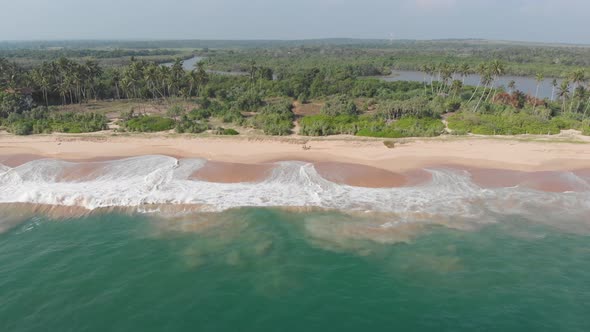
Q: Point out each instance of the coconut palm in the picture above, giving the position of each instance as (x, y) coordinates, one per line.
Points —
(539, 78)
(578, 77)
(563, 93)
(497, 69)
(486, 80)
(464, 70)
(554, 85)
(480, 70)
(512, 86)
(41, 77)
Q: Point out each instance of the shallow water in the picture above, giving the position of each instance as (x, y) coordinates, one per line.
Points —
(268, 270)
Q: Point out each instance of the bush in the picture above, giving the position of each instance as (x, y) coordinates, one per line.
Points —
(190, 126)
(147, 123)
(226, 131)
(275, 119)
(41, 120)
(339, 105)
(175, 111)
(322, 125)
(199, 114)
(506, 123)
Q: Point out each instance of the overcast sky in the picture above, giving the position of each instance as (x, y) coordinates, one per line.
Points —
(528, 20)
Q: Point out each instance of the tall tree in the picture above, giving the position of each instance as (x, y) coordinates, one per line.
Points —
(563, 93)
(539, 78)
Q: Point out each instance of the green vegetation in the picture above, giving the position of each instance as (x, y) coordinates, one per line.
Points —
(513, 123)
(323, 125)
(331, 75)
(226, 131)
(41, 120)
(147, 123)
(275, 119)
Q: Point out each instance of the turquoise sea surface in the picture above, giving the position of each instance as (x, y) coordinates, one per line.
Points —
(268, 269)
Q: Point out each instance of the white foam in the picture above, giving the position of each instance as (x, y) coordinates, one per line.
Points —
(165, 180)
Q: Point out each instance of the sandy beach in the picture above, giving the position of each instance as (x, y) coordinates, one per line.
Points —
(494, 153)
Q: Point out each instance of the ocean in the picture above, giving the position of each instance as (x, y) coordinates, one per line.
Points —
(294, 252)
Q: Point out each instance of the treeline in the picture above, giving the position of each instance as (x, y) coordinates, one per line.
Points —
(520, 60)
(263, 99)
(53, 54)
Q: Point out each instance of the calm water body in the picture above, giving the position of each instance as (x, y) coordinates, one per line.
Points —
(525, 84)
(189, 64)
(268, 270)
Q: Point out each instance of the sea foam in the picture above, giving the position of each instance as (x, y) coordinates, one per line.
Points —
(146, 180)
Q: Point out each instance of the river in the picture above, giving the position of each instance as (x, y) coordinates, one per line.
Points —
(525, 84)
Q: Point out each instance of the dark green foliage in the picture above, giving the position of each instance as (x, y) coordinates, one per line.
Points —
(42, 120)
(510, 123)
(191, 126)
(13, 103)
(275, 119)
(199, 114)
(339, 105)
(148, 123)
(406, 127)
(395, 109)
(249, 101)
(232, 116)
(226, 131)
(323, 125)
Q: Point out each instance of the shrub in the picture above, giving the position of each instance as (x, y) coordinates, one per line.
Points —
(41, 120)
(190, 126)
(147, 123)
(511, 123)
(175, 111)
(199, 114)
(339, 105)
(275, 119)
(226, 131)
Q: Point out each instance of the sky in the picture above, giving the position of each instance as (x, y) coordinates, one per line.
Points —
(564, 21)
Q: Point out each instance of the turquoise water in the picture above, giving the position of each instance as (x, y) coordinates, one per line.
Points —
(273, 270)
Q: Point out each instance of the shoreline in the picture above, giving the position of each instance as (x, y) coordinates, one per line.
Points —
(407, 155)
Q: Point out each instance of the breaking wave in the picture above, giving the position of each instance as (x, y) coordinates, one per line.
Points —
(140, 181)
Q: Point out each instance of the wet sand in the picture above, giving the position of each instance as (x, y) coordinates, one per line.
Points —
(15, 160)
(225, 172)
(371, 177)
(547, 181)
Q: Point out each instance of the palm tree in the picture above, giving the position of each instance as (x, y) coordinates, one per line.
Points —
(578, 77)
(486, 80)
(464, 70)
(554, 86)
(117, 81)
(497, 69)
(41, 77)
(456, 86)
(512, 86)
(480, 70)
(539, 78)
(564, 92)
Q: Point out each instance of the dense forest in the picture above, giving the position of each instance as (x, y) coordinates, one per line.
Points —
(279, 84)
